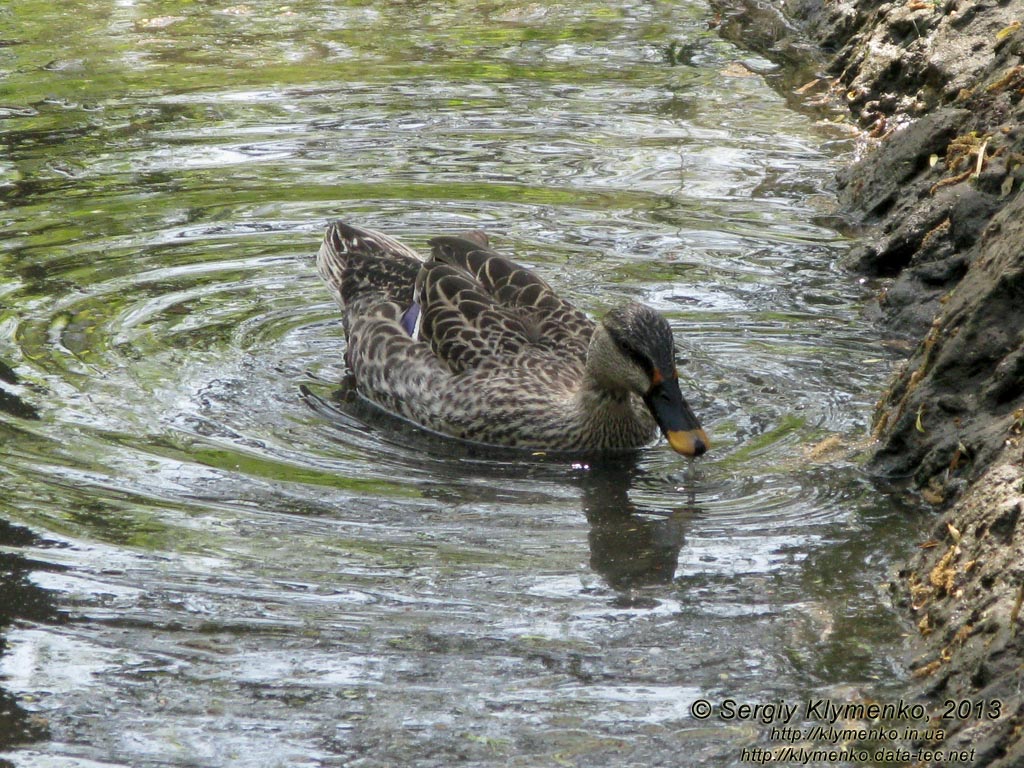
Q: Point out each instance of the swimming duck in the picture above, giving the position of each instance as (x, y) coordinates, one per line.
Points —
(469, 344)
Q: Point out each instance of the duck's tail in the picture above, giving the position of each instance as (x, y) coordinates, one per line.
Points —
(363, 265)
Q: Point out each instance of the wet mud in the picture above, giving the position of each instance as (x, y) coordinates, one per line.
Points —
(938, 91)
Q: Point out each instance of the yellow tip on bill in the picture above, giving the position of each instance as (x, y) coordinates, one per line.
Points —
(692, 442)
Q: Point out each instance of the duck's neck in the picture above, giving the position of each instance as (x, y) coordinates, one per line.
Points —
(614, 418)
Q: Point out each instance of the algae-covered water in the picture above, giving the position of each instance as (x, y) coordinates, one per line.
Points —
(213, 557)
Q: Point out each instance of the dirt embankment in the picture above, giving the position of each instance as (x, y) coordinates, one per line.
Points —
(938, 85)
(941, 85)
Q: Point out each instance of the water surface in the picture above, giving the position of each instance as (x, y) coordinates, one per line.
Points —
(215, 559)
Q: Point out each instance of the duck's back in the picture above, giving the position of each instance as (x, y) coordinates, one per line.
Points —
(482, 309)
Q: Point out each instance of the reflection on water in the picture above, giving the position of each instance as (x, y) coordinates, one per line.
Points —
(627, 548)
(10, 402)
(21, 600)
(229, 566)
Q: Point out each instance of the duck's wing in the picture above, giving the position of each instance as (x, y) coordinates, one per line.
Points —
(464, 325)
(549, 321)
(363, 266)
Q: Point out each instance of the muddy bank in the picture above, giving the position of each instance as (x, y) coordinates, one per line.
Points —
(938, 90)
(940, 86)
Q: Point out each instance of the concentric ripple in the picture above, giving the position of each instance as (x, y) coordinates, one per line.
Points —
(255, 568)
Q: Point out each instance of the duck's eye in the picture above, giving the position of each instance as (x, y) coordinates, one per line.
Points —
(638, 357)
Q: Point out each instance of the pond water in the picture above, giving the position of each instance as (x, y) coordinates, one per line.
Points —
(213, 557)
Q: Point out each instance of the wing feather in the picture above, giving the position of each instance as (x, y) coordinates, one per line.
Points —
(467, 307)
(463, 323)
(549, 321)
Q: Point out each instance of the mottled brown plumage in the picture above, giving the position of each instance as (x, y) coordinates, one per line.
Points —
(467, 343)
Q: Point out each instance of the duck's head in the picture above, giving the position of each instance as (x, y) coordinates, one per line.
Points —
(633, 350)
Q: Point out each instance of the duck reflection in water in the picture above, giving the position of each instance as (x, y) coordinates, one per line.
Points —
(630, 546)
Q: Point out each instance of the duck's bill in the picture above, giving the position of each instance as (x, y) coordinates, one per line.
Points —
(689, 442)
(675, 419)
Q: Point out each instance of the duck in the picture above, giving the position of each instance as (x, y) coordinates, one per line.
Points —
(471, 345)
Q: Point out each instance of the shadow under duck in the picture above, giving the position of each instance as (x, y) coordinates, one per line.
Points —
(469, 344)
